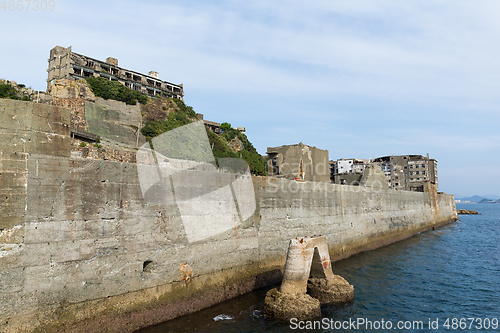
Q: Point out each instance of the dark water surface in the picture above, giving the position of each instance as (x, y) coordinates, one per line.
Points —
(452, 272)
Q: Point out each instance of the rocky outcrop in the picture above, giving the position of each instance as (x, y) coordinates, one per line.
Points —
(285, 306)
(69, 89)
(336, 290)
(467, 212)
(72, 95)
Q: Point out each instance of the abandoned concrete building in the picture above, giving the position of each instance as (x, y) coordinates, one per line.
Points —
(408, 172)
(65, 64)
(405, 172)
(347, 171)
(211, 125)
(299, 162)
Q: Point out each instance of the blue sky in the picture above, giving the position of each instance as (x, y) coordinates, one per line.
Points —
(360, 78)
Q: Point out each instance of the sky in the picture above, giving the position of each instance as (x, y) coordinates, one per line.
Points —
(361, 79)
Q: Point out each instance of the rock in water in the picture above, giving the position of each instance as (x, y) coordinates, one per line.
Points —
(284, 307)
(336, 290)
(467, 212)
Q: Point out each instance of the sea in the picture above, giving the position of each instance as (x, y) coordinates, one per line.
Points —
(442, 280)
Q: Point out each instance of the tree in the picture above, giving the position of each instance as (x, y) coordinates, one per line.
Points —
(225, 126)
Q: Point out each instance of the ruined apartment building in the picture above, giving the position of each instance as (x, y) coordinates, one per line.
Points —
(65, 64)
(347, 171)
(408, 172)
(298, 162)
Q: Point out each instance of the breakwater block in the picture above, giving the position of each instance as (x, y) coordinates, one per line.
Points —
(308, 282)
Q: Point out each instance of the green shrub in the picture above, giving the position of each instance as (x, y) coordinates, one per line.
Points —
(107, 89)
(183, 108)
(256, 162)
(8, 91)
(219, 143)
(83, 144)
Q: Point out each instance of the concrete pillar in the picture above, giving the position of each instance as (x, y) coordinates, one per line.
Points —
(308, 281)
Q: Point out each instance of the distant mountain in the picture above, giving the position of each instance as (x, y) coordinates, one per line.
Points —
(492, 196)
(477, 198)
(488, 201)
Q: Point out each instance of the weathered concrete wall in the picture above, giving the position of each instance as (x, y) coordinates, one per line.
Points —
(81, 250)
(306, 162)
(115, 120)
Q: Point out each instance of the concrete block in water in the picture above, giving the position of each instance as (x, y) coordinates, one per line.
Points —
(308, 281)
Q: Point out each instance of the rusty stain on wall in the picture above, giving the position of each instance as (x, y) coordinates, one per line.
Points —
(186, 272)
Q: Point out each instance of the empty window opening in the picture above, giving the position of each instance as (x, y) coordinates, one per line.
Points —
(77, 71)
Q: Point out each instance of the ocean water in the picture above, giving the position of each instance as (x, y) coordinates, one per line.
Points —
(437, 281)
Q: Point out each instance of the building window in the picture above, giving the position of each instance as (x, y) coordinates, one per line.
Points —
(423, 165)
(423, 172)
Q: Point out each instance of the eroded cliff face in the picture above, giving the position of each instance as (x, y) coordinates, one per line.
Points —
(72, 95)
(81, 250)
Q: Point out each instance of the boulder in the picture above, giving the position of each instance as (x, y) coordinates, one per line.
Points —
(336, 290)
(69, 89)
(283, 306)
(467, 212)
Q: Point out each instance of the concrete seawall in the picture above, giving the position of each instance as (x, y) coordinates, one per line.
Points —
(81, 250)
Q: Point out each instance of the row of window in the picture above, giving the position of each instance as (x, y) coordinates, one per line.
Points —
(137, 78)
(416, 166)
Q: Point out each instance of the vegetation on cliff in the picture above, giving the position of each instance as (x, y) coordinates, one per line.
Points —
(10, 92)
(185, 115)
(174, 120)
(256, 162)
(102, 87)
